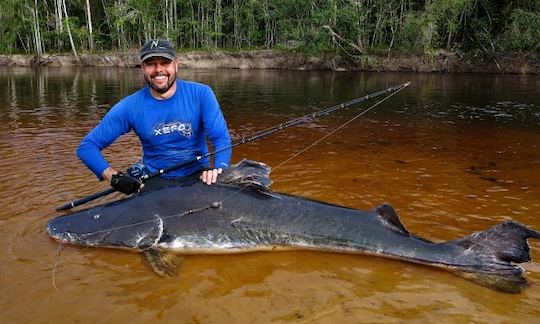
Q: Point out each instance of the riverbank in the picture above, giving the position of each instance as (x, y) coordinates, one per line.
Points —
(441, 61)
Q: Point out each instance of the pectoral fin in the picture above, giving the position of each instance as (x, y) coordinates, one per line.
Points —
(164, 264)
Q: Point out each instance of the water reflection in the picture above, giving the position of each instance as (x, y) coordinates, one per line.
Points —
(66, 93)
(453, 154)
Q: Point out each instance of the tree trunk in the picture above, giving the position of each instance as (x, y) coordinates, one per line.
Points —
(69, 31)
(236, 24)
(107, 18)
(89, 20)
(269, 26)
(193, 31)
(175, 16)
(166, 16)
(37, 32)
(218, 24)
(58, 23)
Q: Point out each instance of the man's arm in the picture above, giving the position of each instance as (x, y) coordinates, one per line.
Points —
(216, 130)
(104, 134)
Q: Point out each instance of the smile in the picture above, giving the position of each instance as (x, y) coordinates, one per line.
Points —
(160, 78)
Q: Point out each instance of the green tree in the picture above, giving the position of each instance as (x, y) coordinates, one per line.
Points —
(351, 27)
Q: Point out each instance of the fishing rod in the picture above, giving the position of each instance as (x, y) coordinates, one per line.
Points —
(245, 139)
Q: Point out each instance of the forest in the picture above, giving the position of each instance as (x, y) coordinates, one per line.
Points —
(347, 27)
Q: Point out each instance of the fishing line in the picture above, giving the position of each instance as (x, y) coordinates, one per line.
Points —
(338, 128)
(322, 138)
(187, 212)
(56, 262)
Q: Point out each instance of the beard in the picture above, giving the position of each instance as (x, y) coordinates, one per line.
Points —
(163, 88)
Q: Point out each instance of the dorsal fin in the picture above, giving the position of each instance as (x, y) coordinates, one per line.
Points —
(391, 219)
(248, 173)
(389, 215)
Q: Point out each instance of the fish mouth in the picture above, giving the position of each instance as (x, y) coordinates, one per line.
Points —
(52, 231)
(66, 237)
(62, 236)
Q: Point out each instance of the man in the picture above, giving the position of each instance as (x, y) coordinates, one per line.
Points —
(172, 118)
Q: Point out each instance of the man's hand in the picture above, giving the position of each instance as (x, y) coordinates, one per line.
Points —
(121, 182)
(210, 176)
(125, 183)
(108, 173)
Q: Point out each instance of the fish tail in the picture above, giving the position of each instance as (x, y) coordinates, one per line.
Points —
(499, 248)
(506, 242)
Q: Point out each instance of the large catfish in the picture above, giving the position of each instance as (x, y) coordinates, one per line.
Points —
(241, 214)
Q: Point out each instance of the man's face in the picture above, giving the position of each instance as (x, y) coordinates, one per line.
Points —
(159, 73)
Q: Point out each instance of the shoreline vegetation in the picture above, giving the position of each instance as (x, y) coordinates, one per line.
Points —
(373, 35)
(441, 61)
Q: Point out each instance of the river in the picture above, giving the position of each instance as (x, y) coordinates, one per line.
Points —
(453, 154)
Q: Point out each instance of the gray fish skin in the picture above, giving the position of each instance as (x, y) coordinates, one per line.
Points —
(241, 214)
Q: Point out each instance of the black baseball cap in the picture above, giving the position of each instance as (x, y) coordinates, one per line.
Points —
(159, 48)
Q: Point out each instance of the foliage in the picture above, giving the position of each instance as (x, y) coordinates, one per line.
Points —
(341, 27)
(523, 32)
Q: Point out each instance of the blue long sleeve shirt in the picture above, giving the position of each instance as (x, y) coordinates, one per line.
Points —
(171, 131)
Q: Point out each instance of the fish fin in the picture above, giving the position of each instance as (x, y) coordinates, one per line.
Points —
(506, 241)
(391, 220)
(164, 264)
(387, 213)
(499, 248)
(248, 173)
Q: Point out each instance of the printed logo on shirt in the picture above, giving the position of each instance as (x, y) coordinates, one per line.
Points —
(168, 128)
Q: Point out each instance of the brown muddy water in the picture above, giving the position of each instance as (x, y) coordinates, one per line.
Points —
(453, 154)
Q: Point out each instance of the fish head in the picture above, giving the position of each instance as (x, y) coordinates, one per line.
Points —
(117, 228)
